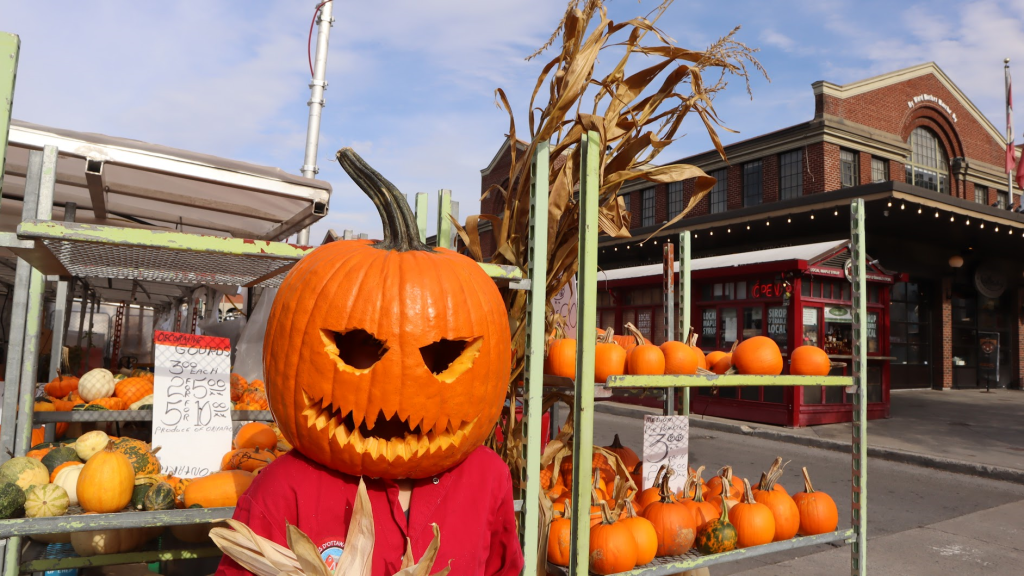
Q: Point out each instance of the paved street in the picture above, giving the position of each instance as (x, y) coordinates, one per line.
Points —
(920, 520)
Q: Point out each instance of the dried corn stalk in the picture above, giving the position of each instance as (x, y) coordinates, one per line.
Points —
(301, 558)
(636, 115)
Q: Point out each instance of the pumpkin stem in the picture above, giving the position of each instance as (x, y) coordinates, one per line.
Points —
(635, 333)
(400, 230)
(698, 490)
(664, 491)
(630, 510)
(606, 513)
(808, 488)
(615, 443)
(748, 494)
(725, 510)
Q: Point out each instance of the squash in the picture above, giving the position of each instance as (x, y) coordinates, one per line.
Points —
(672, 521)
(625, 453)
(25, 472)
(131, 390)
(95, 384)
(218, 489)
(88, 408)
(680, 358)
(256, 435)
(643, 533)
(612, 545)
(195, 533)
(818, 513)
(90, 443)
(139, 454)
(139, 492)
(702, 510)
(246, 459)
(67, 478)
(106, 482)
(58, 456)
(44, 405)
(809, 361)
(145, 401)
(112, 403)
(758, 355)
(784, 510)
(57, 470)
(159, 497)
(754, 522)
(558, 538)
(112, 541)
(46, 500)
(644, 358)
(61, 386)
(717, 535)
(609, 357)
(561, 360)
(12, 500)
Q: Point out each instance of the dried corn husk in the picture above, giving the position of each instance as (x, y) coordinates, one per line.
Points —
(636, 116)
(266, 558)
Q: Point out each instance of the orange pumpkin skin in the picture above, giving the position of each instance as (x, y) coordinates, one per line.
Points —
(714, 485)
(256, 435)
(672, 522)
(702, 360)
(61, 386)
(646, 359)
(809, 361)
(424, 355)
(558, 542)
(218, 489)
(754, 522)
(643, 533)
(702, 510)
(625, 453)
(818, 512)
(111, 403)
(784, 511)
(131, 390)
(758, 355)
(248, 459)
(612, 548)
(722, 365)
(238, 385)
(609, 358)
(679, 358)
(106, 482)
(713, 357)
(562, 358)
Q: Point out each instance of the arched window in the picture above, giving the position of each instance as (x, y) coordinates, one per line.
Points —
(928, 165)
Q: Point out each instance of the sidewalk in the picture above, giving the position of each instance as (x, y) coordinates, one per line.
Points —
(964, 431)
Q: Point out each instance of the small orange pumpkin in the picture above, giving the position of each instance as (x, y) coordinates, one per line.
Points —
(111, 403)
(702, 510)
(809, 361)
(679, 358)
(643, 533)
(625, 453)
(644, 359)
(131, 390)
(218, 489)
(561, 358)
(559, 537)
(61, 386)
(754, 522)
(254, 397)
(238, 385)
(818, 513)
(714, 485)
(106, 482)
(248, 459)
(673, 523)
(758, 355)
(609, 357)
(612, 545)
(256, 435)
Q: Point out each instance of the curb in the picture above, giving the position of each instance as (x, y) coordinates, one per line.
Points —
(889, 454)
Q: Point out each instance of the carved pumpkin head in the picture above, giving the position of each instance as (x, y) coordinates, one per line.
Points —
(386, 358)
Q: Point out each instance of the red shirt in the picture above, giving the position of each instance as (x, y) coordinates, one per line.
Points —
(471, 504)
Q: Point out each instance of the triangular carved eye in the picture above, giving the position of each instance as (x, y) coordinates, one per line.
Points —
(448, 359)
(354, 351)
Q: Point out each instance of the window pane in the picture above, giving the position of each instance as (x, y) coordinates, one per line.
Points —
(1001, 200)
(810, 326)
(980, 194)
(848, 168)
(675, 199)
(648, 208)
(777, 325)
(709, 328)
(752, 322)
(873, 347)
(752, 188)
(879, 170)
(625, 202)
(718, 199)
(791, 176)
(727, 327)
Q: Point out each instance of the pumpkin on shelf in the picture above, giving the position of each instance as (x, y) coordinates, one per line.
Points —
(783, 508)
(759, 355)
(561, 360)
(25, 472)
(61, 386)
(95, 384)
(702, 510)
(628, 341)
(58, 469)
(43, 405)
(238, 385)
(644, 359)
(673, 523)
(609, 357)
(680, 358)
(714, 485)
(558, 538)
(139, 453)
(58, 456)
(777, 466)
(46, 500)
(818, 513)
(613, 547)
(90, 443)
(625, 453)
(254, 397)
(723, 365)
(652, 494)
(160, 496)
(131, 390)
(61, 405)
(643, 533)
(754, 522)
(12, 500)
(67, 478)
(111, 403)
(256, 435)
(713, 357)
(809, 361)
(718, 535)
(218, 489)
(248, 459)
(106, 482)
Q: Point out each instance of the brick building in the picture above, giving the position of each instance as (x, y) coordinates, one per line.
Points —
(929, 166)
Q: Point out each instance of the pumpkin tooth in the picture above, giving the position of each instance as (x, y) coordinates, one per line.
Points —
(433, 442)
(423, 445)
(445, 440)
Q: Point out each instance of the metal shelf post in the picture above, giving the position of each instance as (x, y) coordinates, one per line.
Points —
(859, 500)
(669, 299)
(684, 303)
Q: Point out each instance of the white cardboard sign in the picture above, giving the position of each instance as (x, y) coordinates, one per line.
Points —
(564, 303)
(666, 441)
(191, 402)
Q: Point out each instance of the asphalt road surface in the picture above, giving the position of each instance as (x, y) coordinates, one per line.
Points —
(901, 497)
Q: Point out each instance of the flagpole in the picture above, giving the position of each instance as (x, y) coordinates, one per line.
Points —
(1009, 134)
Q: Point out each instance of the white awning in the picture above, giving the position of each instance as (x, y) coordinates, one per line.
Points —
(807, 252)
(162, 187)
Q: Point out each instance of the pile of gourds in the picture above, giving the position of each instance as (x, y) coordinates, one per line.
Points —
(248, 395)
(629, 529)
(636, 355)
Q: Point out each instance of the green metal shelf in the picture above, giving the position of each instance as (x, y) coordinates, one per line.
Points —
(44, 565)
(723, 380)
(127, 519)
(134, 416)
(693, 559)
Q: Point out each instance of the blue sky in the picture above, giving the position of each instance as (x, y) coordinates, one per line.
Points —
(411, 83)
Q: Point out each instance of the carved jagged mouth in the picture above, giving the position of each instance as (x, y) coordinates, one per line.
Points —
(383, 437)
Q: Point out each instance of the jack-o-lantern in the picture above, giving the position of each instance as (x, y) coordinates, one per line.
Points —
(386, 358)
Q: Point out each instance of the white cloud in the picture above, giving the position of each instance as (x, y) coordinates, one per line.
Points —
(777, 39)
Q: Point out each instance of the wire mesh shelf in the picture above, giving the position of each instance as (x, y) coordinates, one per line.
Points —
(134, 416)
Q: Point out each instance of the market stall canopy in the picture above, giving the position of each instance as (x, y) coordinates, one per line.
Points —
(128, 183)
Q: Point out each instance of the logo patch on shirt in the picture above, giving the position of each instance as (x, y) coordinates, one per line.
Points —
(330, 552)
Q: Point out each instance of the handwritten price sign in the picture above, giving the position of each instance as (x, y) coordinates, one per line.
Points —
(191, 402)
(666, 441)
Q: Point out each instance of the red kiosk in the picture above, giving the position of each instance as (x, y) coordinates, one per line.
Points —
(794, 295)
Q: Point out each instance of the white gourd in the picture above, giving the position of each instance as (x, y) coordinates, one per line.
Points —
(141, 402)
(95, 384)
(90, 443)
(67, 479)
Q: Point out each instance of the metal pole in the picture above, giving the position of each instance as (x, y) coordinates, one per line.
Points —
(10, 46)
(316, 98)
(586, 338)
(37, 283)
(859, 500)
(443, 239)
(60, 310)
(533, 387)
(81, 312)
(1009, 131)
(422, 201)
(684, 301)
(19, 309)
(669, 298)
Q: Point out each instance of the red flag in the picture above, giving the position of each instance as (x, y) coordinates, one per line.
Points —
(1020, 172)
